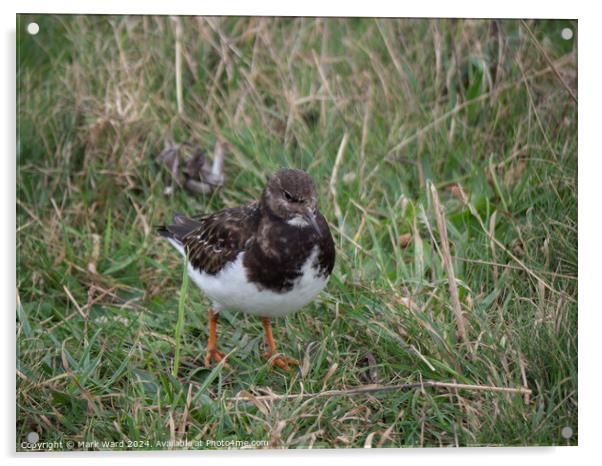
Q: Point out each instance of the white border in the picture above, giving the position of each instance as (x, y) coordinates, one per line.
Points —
(590, 322)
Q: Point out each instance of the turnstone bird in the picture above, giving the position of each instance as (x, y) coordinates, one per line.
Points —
(269, 258)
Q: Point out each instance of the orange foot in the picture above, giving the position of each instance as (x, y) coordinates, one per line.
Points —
(213, 355)
(281, 361)
(276, 359)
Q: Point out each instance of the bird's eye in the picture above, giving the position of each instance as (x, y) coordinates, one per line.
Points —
(287, 196)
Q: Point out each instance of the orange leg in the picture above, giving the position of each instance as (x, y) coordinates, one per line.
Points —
(276, 359)
(212, 352)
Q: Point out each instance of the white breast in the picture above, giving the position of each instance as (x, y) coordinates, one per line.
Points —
(230, 289)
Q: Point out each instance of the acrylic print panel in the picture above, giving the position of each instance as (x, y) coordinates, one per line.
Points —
(440, 155)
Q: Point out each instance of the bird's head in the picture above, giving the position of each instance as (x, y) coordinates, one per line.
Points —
(290, 196)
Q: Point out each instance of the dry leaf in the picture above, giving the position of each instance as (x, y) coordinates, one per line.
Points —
(189, 167)
(371, 375)
(458, 192)
(517, 247)
(368, 441)
(95, 253)
(404, 240)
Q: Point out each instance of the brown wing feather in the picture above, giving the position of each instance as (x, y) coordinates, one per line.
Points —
(220, 237)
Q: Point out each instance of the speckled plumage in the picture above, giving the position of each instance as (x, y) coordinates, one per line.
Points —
(274, 253)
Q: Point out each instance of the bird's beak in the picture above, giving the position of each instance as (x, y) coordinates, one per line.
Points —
(310, 217)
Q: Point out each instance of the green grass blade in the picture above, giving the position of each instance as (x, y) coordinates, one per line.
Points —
(181, 314)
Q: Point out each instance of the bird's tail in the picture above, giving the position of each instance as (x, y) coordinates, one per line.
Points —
(175, 232)
(181, 226)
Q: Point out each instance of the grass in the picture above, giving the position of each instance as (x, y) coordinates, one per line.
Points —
(469, 106)
(181, 319)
